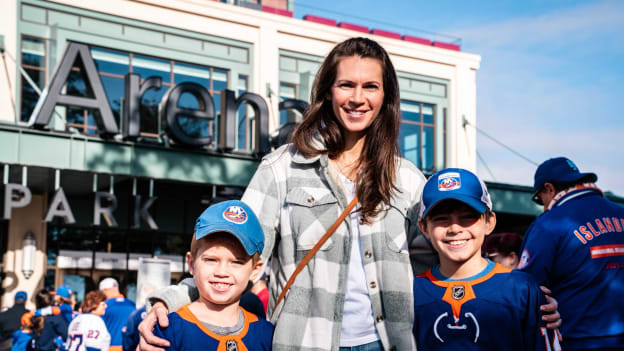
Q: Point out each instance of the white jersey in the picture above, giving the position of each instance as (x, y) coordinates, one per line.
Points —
(87, 332)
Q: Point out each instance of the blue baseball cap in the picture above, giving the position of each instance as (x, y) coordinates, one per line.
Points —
(458, 184)
(64, 291)
(558, 169)
(233, 217)
(20, 296)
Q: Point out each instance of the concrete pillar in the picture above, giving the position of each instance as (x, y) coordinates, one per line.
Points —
(23, 220)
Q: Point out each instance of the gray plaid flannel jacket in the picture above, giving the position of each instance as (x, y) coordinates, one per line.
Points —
(297, 199)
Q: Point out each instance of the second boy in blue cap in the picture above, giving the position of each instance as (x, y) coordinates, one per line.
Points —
(468, 302)
(224, 258)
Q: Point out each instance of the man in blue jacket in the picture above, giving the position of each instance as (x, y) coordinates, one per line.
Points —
(10, 320)
(118, 308)
(576, 248)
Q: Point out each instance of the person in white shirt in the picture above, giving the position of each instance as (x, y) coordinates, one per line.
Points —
(87, 332)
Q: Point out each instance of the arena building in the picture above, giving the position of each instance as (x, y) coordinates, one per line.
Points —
(121, 120)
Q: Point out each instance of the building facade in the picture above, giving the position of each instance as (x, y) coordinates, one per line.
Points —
(121, 120)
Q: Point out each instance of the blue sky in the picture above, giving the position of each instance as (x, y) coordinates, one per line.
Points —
(551, 80)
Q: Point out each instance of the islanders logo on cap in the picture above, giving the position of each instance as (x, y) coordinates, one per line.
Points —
(235, 214)
(449, 181)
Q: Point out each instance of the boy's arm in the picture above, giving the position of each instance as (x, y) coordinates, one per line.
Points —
(158, 305)
(537, 336)
(174, 296)
(48, 311)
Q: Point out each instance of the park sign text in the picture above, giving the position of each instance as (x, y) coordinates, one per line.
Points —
(107, 126)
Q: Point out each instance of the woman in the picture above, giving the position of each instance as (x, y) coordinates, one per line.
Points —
(357, 288)
(87, 331)
(49, 331)
(346, 146)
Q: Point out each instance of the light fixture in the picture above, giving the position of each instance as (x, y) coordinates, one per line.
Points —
(29, 248)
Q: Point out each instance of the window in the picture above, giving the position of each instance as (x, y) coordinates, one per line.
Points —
(417, 137)
(245, 118)
(296, 75)
(34, 53)
(287, 91)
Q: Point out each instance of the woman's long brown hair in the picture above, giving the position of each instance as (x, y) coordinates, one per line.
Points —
(378, 161)
(42, 299)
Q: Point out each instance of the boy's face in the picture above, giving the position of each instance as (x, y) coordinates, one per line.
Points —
(457, 231)
(222, 269)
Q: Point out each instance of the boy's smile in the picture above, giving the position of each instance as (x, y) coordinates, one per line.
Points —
(457, 231)
(222, 269)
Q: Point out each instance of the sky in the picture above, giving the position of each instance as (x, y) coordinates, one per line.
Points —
(550, 82)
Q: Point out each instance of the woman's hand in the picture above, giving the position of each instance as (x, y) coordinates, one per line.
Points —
(148, 341)
(550, 314)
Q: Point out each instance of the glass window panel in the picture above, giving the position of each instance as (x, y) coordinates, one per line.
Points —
(29, 95)
(427, 148)
(188, 73)
(410, 111)
(219, 79)
(287, 91)
(77, 85)
(33, 52)
(188, 100)
(114, 88)
(194, 127)
(307, 66)
(216, 100)
(428, 113)
(74, 116)
(149, 109)
(91, 123)
(409, 142)
(242, 84)
(109, 61)
(115, 240)
(245, 114)
(287, 64)
(150, 67)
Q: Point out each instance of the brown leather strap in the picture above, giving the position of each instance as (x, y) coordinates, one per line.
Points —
(313, 251)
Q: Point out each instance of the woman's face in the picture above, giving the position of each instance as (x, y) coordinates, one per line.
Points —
(357, 94)
(101, 309)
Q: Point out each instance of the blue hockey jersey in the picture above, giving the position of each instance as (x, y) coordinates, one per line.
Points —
(577, 250)
(187, 333)
(117, 311)
(497, 309)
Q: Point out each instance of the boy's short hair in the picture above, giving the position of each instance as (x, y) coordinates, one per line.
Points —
(233, 217)
(457, 184)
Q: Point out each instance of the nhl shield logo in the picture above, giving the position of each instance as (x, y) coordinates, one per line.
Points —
(458, 292)
(231, 345)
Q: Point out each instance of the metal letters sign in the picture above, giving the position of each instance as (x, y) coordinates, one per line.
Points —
(104, 204)
(134, 90)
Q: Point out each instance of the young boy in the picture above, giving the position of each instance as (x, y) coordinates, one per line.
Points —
(468, 302)
(224, 259)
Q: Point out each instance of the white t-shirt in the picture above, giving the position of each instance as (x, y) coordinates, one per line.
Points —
(358, 325)
(87, 332)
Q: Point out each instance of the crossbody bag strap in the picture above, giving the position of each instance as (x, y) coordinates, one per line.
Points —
(316, 247)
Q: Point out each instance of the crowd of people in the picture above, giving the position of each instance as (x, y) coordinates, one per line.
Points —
(104, 321)
(364, 253)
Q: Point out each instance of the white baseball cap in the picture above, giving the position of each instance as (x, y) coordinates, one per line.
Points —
(108, 283)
